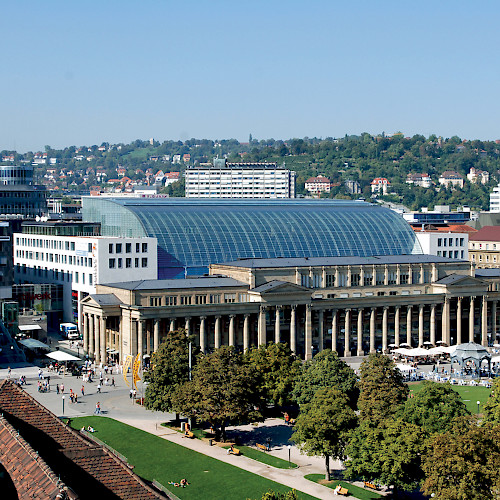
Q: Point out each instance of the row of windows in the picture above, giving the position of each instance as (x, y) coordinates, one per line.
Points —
(443, 242)
(53, 244)
(315, 281)
(452, 254)
(118, 263)
(56, 274)
(485, 246)
(57, 258)
(485, 258)
(118, 248)
(198, 299)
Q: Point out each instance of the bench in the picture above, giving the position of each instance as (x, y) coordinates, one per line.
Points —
(234, 451)
(261, 447)
(340, 491)
(370, 485)
(189, 435)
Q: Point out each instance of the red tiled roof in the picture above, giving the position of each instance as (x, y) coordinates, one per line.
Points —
(487, 233)
(86, 467)
(450, 228)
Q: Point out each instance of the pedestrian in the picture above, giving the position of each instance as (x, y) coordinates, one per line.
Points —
(57, 388)
(131, 393)
(98, 408)
(61, 388)
(98, 388)
(83, 391)
(76, 397)
(112, 381)
(8, 372)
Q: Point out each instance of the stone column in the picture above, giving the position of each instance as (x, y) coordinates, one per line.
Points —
(102, 338)
(231, 329)
(359, 351)
(347, 334)
(445, 321)
(156, 334)
(433, 324)
(421, 326)
(308, 333)
(408, 325)
(97, 339)
(293, 333)
(91, 351)
(484, 322)
(217, 332)
(493, 320)
(202, 334)
(140, 339)
(372, 329)
(246, 333)
(172, 324)
(384, 329)
(277, 325)
(334, 330)
(321, 330)
(85, 332)
(148, 338)
(187, 326)
(459, 321)
(396, 325)
(261, 333)
(471, 320)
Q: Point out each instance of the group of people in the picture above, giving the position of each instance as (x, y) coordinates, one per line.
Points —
(181, 484)
(44, 385)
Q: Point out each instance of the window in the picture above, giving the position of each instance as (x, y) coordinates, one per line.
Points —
(144, 262)
(128, 262)
(118, 248)
(185, 300)
(137, 247)
(89, 247)
(171, 300)
(128, 247)
(200, 299)
(215, 299)
(330, 280)
(355, 278)
(136, 262)
(155, 301)
(144, 248)
(112, 263)
(120, 263)
(229, 297)
(72, 246)
(440, 242)
(90, 279)
(76, 277)
(83, 278)
(111, 248)
(450, 242)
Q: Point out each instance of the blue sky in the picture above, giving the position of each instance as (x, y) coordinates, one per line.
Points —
(78, 73)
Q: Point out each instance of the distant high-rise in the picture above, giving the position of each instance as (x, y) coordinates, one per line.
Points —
(239, 180)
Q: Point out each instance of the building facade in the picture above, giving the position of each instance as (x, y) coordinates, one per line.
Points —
(451, 179)
(379, 185)
(448, 242)
(484, 247)
(495, 199)
(74, 255)
(239, 180)
(347, 304)
(317, 185)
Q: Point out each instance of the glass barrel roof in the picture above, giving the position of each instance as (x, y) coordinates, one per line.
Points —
(196, 233)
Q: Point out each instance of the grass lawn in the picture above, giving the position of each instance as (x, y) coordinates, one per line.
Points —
(470, 394)
(157, 458)
(264, 457)
(355, 491)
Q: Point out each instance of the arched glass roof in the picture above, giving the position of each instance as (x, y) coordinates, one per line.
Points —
(193, 233)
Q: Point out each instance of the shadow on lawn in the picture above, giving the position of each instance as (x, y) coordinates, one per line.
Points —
(279, 435)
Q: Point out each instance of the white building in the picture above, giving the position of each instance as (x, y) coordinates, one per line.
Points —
(42, 254)
(421, 180)
(319, 184)
(444, 244)
(239, 180)
(478, 176)
(495, 199)
(379, 185)
(450, 178)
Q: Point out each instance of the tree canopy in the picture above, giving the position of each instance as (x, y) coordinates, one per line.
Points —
(223, 390)
(169, 369)
(491, 409)
(326, 370)
(382, 389)
(323, 425)
(434, 407)
(277, 367)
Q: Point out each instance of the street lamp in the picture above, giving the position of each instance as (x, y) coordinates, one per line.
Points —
(63, 403)
(289, 448)
(478, 403)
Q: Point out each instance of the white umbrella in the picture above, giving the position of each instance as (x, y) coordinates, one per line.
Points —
(495, 359)
(428, 343)
(404, 344)
(405, 368)
(62, 356)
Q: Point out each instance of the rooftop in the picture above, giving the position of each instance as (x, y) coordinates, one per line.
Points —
(487, 233)
(177, 284)
(338, 261)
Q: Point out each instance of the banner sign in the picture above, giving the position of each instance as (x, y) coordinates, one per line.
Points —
(126, 366)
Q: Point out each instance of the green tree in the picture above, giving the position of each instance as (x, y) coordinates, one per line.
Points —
(389, 454)
(382, 389)
(169, 369)
(434, 407)
(277, 368)
(326, 370)
(223, 391)
(273, 495)
(491, 409)
(323, 426)
(463, 463)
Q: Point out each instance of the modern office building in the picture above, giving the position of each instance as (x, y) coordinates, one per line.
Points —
(194, 233)
(239, 180)
(495, 199)
(18, 195)
(76, 256)
(450, 241)
(352, 305)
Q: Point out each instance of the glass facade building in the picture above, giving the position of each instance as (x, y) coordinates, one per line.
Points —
(194, 233)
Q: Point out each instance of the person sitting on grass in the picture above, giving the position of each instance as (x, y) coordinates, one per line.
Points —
(230, 449)
(184, 483)
(90, 429)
